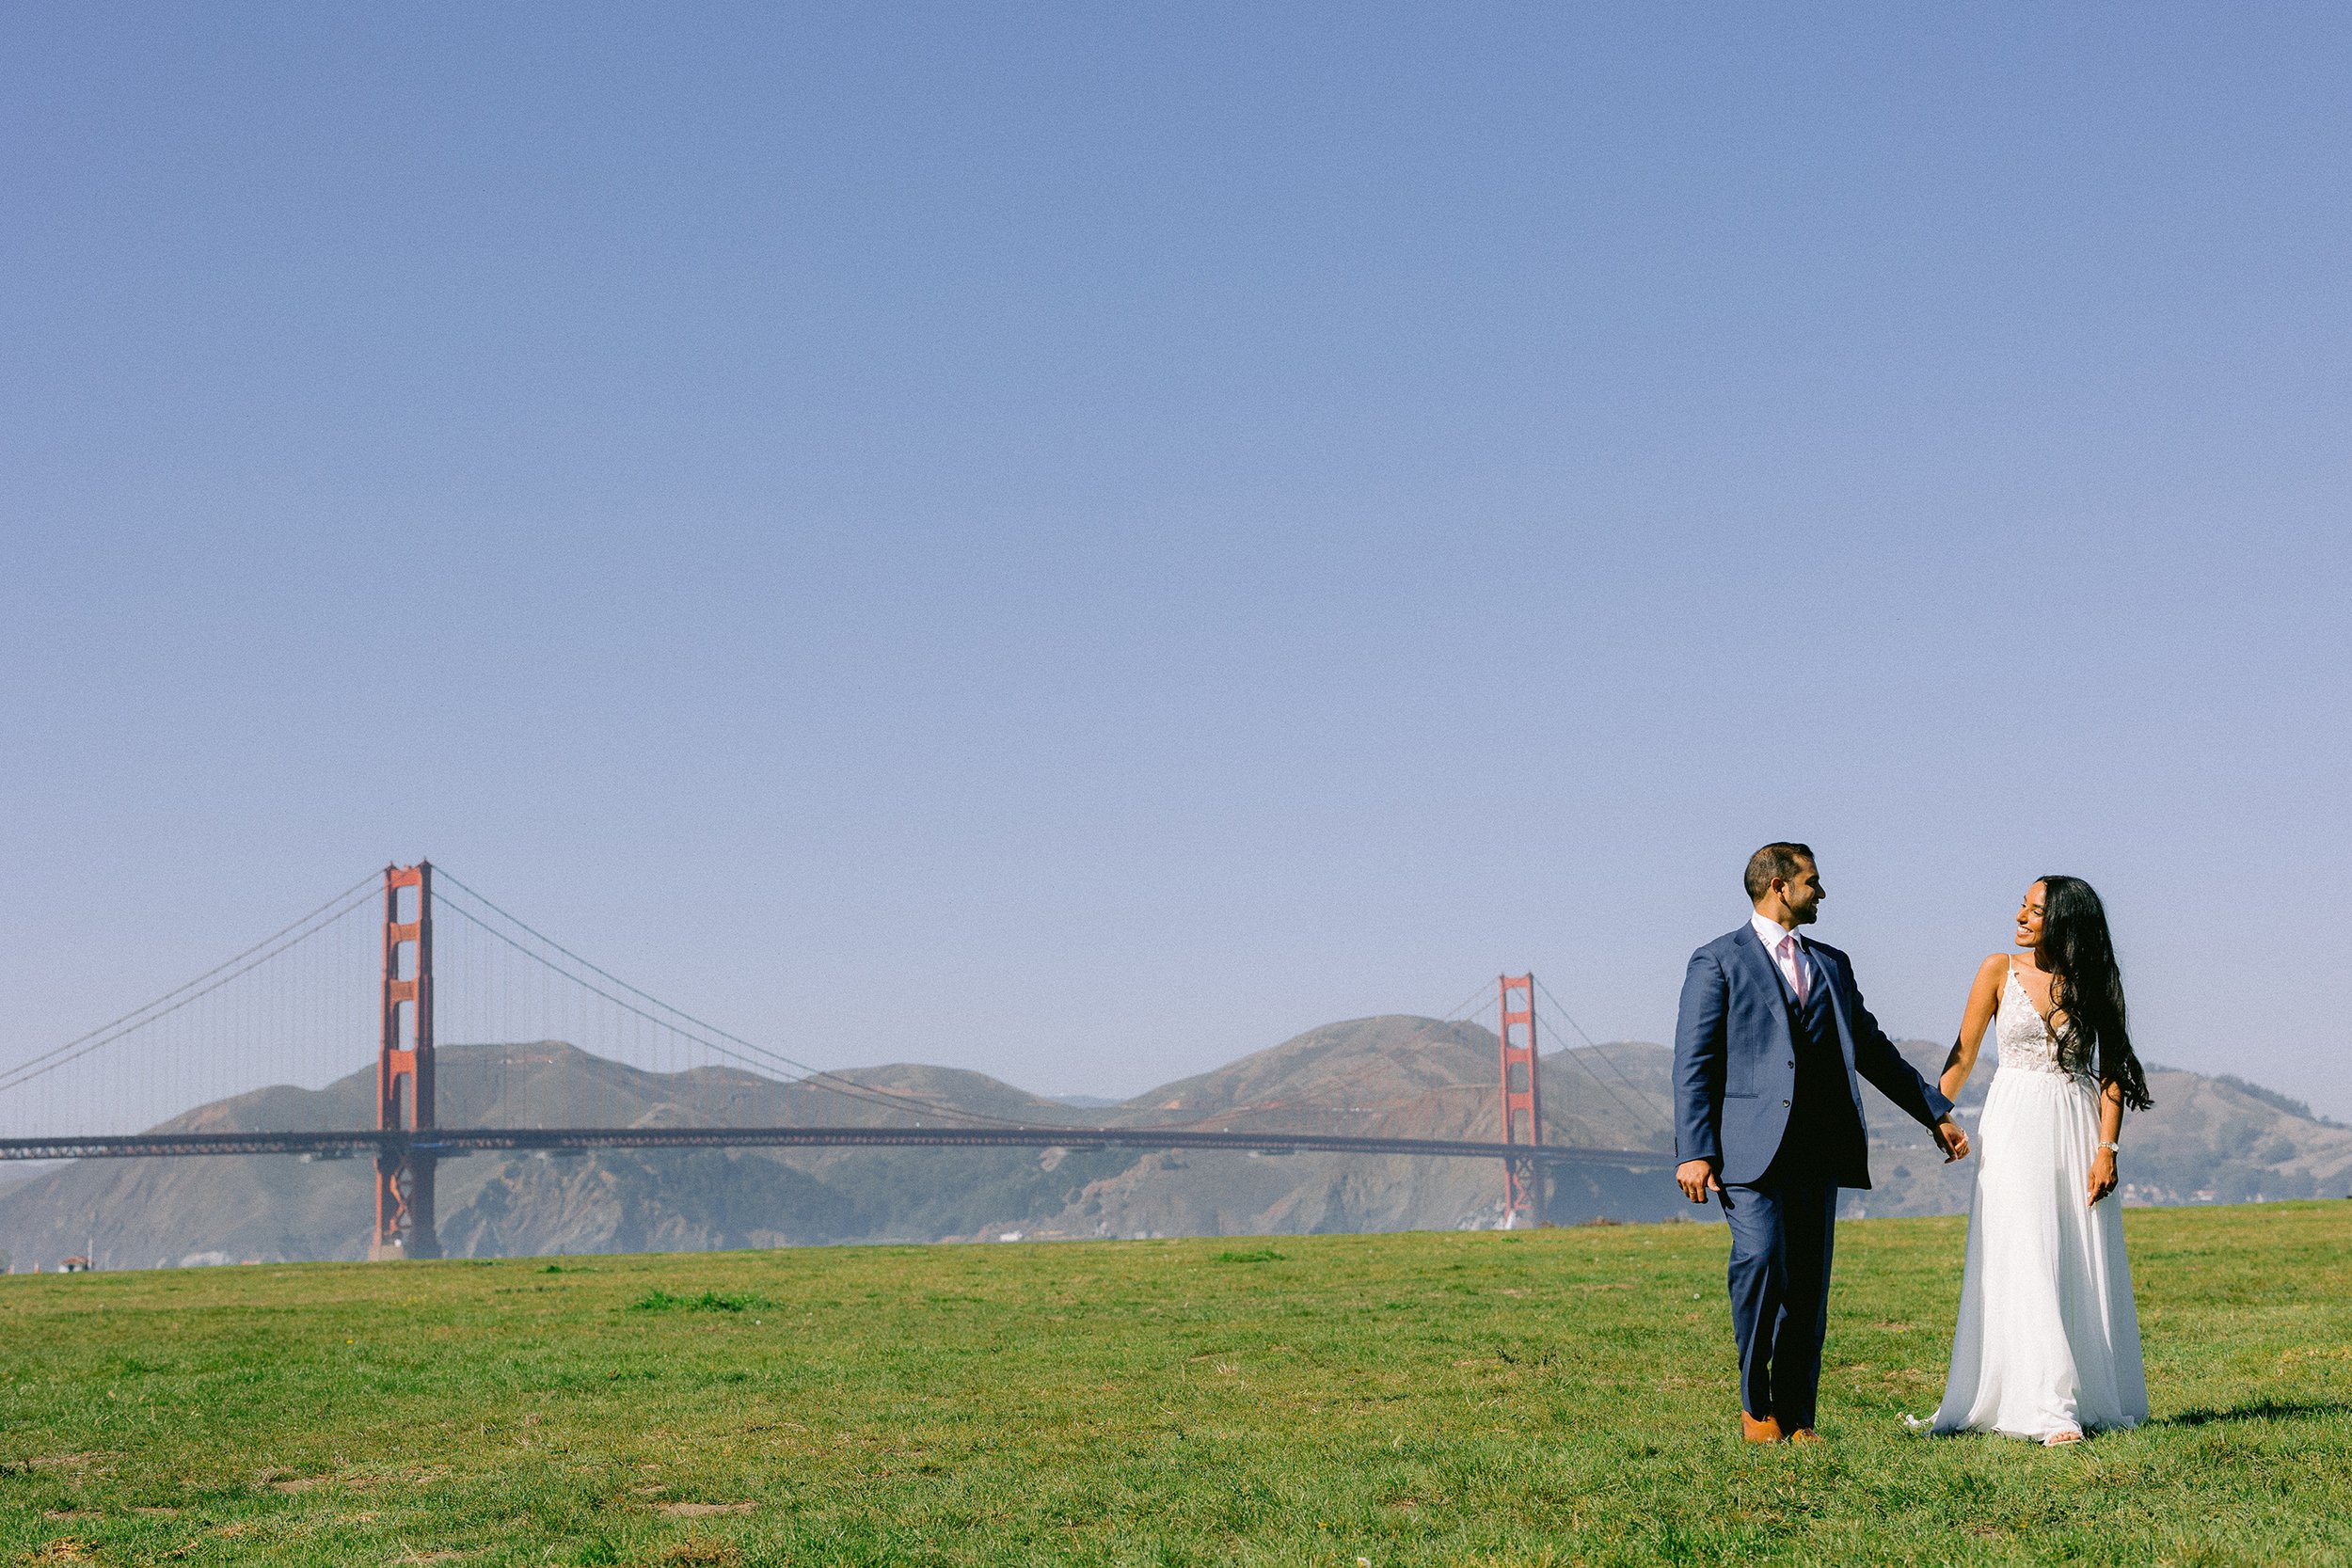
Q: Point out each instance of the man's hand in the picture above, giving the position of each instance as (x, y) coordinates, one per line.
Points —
(1697, 1177)
(1951, 1140)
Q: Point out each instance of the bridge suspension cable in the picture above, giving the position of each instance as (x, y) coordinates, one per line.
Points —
(307, 1008)
(1645, 1114)
(558, 959)
(680, 1022)
(211, 1042)
(280, 942)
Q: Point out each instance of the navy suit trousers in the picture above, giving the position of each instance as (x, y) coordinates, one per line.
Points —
(1783, 1225)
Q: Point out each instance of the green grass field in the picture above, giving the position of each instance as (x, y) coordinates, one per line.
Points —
(1553, 1396)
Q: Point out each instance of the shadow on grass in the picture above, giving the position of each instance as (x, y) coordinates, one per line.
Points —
(2256, 1410)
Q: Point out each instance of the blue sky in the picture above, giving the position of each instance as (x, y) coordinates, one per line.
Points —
(1078, 542)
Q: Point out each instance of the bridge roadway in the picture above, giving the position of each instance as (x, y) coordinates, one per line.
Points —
(448, 1143)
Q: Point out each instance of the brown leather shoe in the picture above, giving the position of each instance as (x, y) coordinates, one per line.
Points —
(1804, 1434)
(1765, 1431)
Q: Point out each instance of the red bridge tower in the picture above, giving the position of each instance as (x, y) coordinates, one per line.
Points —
(1523, 1104)
(404, 1070)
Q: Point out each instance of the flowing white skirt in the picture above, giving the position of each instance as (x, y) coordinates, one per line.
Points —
(2048, 1338)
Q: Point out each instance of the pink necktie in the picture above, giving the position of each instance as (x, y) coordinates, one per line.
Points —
(1791, 967)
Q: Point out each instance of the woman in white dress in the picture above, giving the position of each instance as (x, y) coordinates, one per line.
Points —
(2048, 1341)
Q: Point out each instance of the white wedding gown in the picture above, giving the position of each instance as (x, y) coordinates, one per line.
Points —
(2048, 1339)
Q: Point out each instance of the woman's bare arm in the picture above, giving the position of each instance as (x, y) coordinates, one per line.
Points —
(1983, 998)
(2110, 1131)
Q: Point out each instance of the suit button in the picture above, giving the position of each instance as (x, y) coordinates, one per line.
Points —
(1783, 1104)
(1792, 1061)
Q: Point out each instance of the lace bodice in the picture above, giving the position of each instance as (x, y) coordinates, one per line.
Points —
(2026, 1042)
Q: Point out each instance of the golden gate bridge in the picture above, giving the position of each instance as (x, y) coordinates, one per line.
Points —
(318, 992)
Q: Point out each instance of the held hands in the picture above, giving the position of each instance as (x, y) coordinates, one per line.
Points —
(2102, 1177)
(1697, 1177)
(1951, 1140)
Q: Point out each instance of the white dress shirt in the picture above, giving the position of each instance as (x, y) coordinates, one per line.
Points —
(1772, 934)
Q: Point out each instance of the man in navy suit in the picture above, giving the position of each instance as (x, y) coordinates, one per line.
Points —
(1769, 1050)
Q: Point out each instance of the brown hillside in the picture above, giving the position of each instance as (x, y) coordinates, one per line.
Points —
(2208, 1140)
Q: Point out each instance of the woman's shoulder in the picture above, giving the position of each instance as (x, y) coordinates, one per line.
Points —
(1994, 969)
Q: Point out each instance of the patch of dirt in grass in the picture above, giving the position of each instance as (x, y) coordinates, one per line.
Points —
(704, 1554)
(703, 1511)
(64, 1549)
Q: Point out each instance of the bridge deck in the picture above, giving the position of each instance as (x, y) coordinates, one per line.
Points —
(468, 1140)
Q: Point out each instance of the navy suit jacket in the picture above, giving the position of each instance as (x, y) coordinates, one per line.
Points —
(1736, 1061)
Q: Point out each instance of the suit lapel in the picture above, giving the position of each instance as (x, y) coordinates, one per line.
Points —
(1765, 974)
(1829, 976)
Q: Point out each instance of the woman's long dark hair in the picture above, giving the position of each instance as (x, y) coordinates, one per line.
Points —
(2086, 989)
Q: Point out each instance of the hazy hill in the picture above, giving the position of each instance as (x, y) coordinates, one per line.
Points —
(1392, 1076)
(147, 1213)
(2210, 1139)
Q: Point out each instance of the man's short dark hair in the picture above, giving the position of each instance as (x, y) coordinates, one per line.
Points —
(1783, 861)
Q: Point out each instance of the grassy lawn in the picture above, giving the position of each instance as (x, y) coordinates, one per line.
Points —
(1555, 1397)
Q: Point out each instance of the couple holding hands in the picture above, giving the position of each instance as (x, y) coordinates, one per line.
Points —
(1771, 1047)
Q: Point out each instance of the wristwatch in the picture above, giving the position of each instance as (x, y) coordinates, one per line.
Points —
(2111, 1148)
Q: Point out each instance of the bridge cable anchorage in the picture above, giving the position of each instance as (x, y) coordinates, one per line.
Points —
(1647, 1114)
(818, 1077)
(133, 1022)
